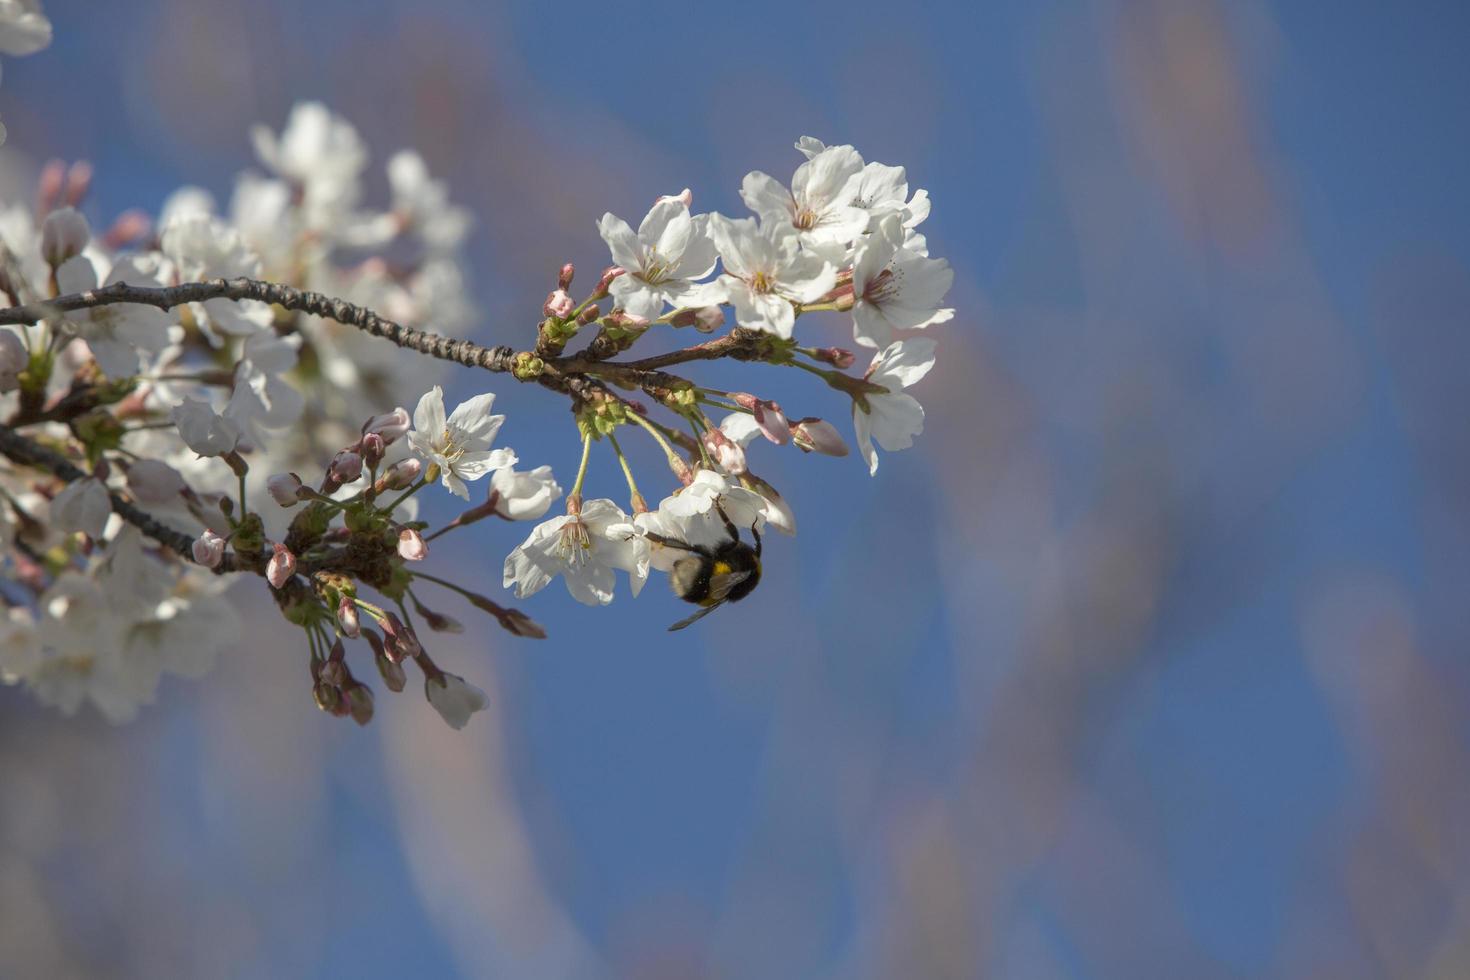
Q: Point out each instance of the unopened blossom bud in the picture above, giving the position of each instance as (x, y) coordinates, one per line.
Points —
(400, 642)
(48, 189)
(78, 182)
(454, 698)
(438, 622)
(558, 304)
(813, 435)
(360, 703)
(281, 567)
(334, 672)
(371, 447)
(393, 674)
(327, 697)
(64, 233)
(608, 275)
(345, 467)
(518, 623)
(13, 360)
(725, 451)
(152, 481)
(130, 226)
(400, 476)
(284, 489)
(209, 549)
(835, 356)
(705, 319)
(392, 426)
(628, 322)
(564, 277)
(347, 617)
(411, 546)
(772, 422)
(588, 315)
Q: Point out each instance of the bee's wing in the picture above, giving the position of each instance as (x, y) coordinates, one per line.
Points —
(720, 584)
(696, 617)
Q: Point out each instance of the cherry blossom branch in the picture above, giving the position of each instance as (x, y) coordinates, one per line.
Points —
(21, 450)
(498, 359)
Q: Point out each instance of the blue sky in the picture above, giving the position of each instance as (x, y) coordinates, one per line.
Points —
(1081, 685)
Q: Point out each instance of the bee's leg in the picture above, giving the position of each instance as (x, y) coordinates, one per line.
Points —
(729, 524)
(757, 535)
(668, 542)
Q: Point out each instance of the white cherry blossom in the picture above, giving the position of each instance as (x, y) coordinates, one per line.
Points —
(204, 247)
(580, 549)
(893, 419)
(421, 204)
(454, 698)
(766, 271)
(320, 153)
(523, 496)
(24, 29)
(261, 397)
(203, 429)
(670, 250)
(460, 444)
(116, 333)
(819, 206)
(895, 288)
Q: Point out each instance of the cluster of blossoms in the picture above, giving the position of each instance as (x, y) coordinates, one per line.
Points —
(165, 385)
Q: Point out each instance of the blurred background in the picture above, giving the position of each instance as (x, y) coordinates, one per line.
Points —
(1147, 661)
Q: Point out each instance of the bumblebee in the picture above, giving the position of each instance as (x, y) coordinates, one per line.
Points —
(713, 576)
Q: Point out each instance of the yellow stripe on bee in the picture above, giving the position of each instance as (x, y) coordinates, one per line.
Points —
(722, 568)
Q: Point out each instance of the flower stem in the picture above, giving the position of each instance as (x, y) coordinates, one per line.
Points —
(658, 437)
(635, 498)
(405, 495)
(582, 467)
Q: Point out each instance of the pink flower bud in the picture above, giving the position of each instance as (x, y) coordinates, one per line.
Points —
(48, 191)
(372, 446)
(411, 545)
(588, 315)
(347, 618)
(64, 234)
(392, 426)
(608, 275)
(401, 475)
(78, 182)
(725, 451)
(281, 567)
(130, 226)
(334, 672)
(154, 482)
(817, 436)
(401, 643)
(209, 549)
(394, 677)
(564, 277)
(558, 304)
(705, 319)
(772, 422)
(284, 489)
(835, 356)
(345, 467)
